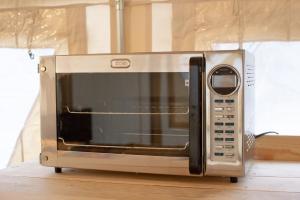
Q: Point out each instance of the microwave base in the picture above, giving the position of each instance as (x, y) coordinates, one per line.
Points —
(125, 163)
(58, 170)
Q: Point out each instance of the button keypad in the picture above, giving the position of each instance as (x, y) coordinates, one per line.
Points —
(223, 129)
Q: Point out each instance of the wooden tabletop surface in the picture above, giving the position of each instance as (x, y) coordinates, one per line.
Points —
(30, 181)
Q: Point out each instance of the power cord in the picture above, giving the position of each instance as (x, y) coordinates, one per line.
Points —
(265, 133)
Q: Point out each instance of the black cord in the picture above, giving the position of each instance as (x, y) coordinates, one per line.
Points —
(265, 133)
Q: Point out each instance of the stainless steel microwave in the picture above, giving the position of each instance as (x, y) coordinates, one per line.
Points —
(187, 113)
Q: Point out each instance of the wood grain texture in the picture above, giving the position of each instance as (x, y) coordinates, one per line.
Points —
(283, 148)
(266, 180)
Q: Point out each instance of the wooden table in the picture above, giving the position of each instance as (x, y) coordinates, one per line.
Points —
(30, 181)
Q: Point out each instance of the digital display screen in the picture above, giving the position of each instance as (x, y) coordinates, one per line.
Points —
(224, 81)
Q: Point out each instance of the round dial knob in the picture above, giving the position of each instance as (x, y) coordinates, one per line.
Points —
(224, 80)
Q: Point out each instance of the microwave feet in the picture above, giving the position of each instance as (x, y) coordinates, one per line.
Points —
(233, 179)
(58, 170)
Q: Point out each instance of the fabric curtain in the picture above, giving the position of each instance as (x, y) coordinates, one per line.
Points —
(234, 21)
(71, 26)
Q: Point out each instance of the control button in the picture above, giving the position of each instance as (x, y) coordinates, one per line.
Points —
(229, 147)
(229, 139)
(229, 124)
(219, 109)
(229, 100)
(219, 139)
(229, 155)
(219, 124)
(219, 101)
(229, 108)
(229, 131)
(219, 131)
(219, 147)
(219, 154)
(229, 116)
(219, 116)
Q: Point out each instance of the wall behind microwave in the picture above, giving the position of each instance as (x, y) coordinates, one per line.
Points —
(88, 26)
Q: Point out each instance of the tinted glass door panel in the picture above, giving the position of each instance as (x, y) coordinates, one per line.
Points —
(136, 113)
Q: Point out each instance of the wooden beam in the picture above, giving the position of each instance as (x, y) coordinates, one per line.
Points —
(76, 30)
(138, 28)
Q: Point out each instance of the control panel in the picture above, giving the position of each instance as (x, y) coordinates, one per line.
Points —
(224, 83)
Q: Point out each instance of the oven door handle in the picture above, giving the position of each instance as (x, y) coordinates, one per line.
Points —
(196, 101)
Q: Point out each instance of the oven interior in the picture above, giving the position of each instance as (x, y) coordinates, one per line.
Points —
(132, 112)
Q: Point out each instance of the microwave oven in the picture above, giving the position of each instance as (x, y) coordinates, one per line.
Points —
(184, 113)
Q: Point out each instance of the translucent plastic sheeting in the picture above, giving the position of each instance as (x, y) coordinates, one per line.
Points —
(277, 83)
(45, 24)
(12, 4)
(89, 26)
(219, 21)
(19, 86)
(277, 86)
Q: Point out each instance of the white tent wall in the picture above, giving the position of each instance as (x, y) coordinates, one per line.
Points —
(199, 24)
(89, 26)
(19, 87)
(12, 4)
(196, 24)
(28, 144)
(46, 24)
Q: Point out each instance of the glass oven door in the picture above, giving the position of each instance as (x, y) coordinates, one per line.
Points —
(133, 113)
